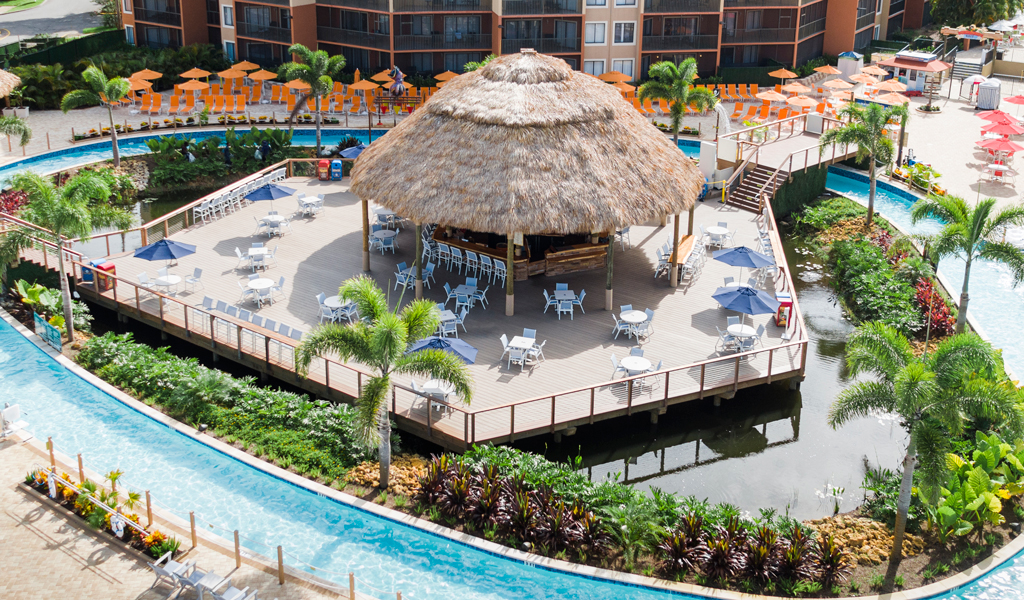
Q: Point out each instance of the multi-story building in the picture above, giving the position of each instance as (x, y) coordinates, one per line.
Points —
(429, 36)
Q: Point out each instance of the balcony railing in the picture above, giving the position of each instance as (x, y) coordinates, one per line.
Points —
(895, 7)
(157, 16)
(543, 45)
(444, 41)
(680, 6)
(265, 32)
(811, 28)
(379, 5)
(759, 3)
(380, 41)
(213, 18)
(541, 7)
(442, 5)
(865, 20)
(679, 42)
(758, 36)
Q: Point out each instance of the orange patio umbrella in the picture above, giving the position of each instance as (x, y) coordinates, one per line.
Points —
(146, 74)
(446, 76)
(891, 85)
(802, 101)
(245, 66)
(192, 85)
(262, 75)
(614, 77)
(843, 95)
(828, 70)
(231, 74)
(441, 84)
(357, 76)
(771, 96)
(363, 85)
(893, 98)
(623, 87)
(297, 84)
(838, 84)
(382, 77)
(873, 70)
(795, 87)
(782, 74)
(195, 73)
(139, 84)
(863, 78)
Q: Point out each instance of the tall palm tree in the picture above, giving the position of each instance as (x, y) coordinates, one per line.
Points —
(929, 394)
(113, 89)
(972, 233)
(317, 70)
(16, 126)
(865, 127)
(72, 211)
(380, 341)
(674, 84)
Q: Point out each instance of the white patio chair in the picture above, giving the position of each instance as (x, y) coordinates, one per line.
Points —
(536, 352)
(517, 357)
(472, 263)
(623, 236)
(325, 311)
(462, 300)
(166, 570)
(725, 341)
(195, 279)
(444, 255)
(481, 296)
(456, 259)
(461, 318)
(263, 296)
(620, 326)
(730, 321)
(578, 301)
(561, 287)
(504, 345)
(387, 244)
(278, 287)
(565, 307)
(201, 212)
(449, 328)
(451, 293)
(500, 272)
(428, 274)
(246, 292)
(549, 301)
(486, 270)
(145, 283)
(259, 225)
(617, 367)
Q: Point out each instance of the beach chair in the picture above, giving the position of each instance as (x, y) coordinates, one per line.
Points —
(255, 92)
(820, 109)
(762, 116)
(751, 113)
(190, 105)
(275, 93)
(147, 103)
(640, 108)
(218, 105)
(650, 108)
(175, 105)
(103, 99)
(663, 107)
(157, 101)
(357, 102)
(240, 104)
(742, 90)
(738, 111)
(215, 89)
(291, 103)
(129, 100)
(229, 104)
(730, 93)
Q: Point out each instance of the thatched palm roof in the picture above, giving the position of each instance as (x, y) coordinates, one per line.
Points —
(527, 145)
(8, 81)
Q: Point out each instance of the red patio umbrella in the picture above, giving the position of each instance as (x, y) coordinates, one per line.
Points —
(1019, 99)
(1006, 129)
(995, 115)
(1000, 145)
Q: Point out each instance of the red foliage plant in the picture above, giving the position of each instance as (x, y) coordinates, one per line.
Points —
(942, 321)
(11, 201)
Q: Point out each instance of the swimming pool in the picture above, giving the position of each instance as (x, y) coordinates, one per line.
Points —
(994, 300)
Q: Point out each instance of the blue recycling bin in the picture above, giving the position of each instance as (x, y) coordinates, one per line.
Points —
(336, 170)
(87, 273)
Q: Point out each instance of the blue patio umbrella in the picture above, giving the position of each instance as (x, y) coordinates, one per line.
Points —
(353, 152)
(271, 192)
(742, 256)
(451, 345)
(165, 250)
(746, 300)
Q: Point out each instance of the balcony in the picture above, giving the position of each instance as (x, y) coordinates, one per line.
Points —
(543, 45)
(541, 7)
(759, 36)
(679, 42)
(378, 5)
(213, 18)
(350, 37)
(680, 6)
(761, 3)
(157, 16)
(442, 6)
(811, 28)
(444, 41)
(264, 32)
(896, 7)
(865, 20)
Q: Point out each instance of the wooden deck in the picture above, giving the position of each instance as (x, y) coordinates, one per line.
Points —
(571, 387)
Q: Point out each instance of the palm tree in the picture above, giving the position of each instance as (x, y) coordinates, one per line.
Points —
(673, 84)
(966, 234)
(379, 341)
(16, 126)
(865, 127)
(929, 394)
(74, 210)
(100, 87)
(317, 70)
(474, 65)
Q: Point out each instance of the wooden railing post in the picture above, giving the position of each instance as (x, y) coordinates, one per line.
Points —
(591, 419)
(280, 565)
(166, 233)
(512, 424)
(703, 367)
(49, 447)
(629, 397)
(149, 511)
(771, 353)
(552, 414)
(213, 331)
(160, 303)
(736, 376)
(238, 552)
(192, 523)
(81, 469)
(351, 580)
(138, 303)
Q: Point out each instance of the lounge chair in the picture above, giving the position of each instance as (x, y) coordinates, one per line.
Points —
(157, 101)
(743, 92)
(738, 111)
(175, 105)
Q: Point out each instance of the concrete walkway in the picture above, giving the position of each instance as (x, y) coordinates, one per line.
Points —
(53, 17)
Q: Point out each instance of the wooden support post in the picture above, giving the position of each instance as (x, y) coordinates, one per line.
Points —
(160, 304)
(629, 397)
(145, 237)
(419, 261)
(149, 511)
(47, 140)
(49, 446)
(689, 225)
(238, 336)
(609, 270)
(673, 275)
(352, 586)
(512, 423)
(138, 303)
(81, 470)
(366, 235)
(192, 523)
(166, 233)
(591, 419)
(280, 565)
(510, 275)
(238, 552)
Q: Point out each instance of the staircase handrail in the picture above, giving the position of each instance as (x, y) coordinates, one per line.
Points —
(773, 178)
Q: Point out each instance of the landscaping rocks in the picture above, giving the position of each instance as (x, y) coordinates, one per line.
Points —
(867, 541)
(406, 469)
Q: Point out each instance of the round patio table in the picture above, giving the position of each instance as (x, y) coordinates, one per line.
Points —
(741, 331)
(167, 281)
(384, 234)
(633, 317)
(716, 230)
(635, 364)
(334, 302)
(261, 284)
(273, 220)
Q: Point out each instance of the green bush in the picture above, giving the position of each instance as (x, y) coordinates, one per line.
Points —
(308, 434)
(870, 288)
(823, 213)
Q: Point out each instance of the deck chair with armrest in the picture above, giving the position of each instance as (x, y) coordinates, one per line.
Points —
(737, 111)
(240, 104)
(650, 108)
(751, 113)
(357, 105)
(218, 105)
(742, 91)
(229, 104)
(190, 105)
(175, 106)
(663, 106)
(290, 103)
(157, 101)
(762, 116)
(640, 107)
(147, 103)
(216, 89)
(275, 93)
(731, 92)
(753, 90)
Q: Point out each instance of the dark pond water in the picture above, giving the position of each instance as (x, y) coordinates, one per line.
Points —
(769, 446)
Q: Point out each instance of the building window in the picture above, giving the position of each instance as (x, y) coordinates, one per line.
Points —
(624, 66)
(624, 33)
(129, 34)
(753, 19)
(750, 55)
(878, 30)
(595, 33)
(597, 2)
(455, 61)
(625, 2)
(229, 16)
(593, 67)
(422, 62)
(127, 4)
(572, 63)
(878, 9)
(525, 29)
(229, 49)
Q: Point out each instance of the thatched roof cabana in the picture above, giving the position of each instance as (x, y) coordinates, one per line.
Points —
(527, 145)
(8, 81)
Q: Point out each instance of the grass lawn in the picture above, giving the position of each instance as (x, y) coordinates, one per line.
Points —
(19, 5)
(94, 29)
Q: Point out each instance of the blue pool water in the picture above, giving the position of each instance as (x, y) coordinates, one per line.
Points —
(994, 300)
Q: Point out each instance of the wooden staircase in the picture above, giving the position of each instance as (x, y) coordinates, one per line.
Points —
(745, 194)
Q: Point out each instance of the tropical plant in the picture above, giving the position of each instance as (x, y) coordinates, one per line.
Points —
(101, 90)
(474, 65)
(72, 211)
(865, 129)
(318, 70)
(42, 299)
(16, 126)
(674, 84)
(930, 395)
(634, 528)
(380, 341)
(969, 12)
(972, 233)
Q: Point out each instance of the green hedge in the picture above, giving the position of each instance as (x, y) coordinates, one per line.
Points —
(74, 49)
(805, 186)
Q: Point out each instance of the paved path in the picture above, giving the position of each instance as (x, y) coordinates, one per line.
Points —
(53, 17)
(46, 555)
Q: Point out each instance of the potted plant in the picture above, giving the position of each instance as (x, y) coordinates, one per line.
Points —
(18, 98)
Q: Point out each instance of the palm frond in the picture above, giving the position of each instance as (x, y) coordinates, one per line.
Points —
(878, 348)
(440, 365)
(365, 294)
(388, 339)
(346, 342)
(421, 319)
(1008, 254)
(77, 98)
(371, 407)
(860, 400)
(959, 356)
(16, 126)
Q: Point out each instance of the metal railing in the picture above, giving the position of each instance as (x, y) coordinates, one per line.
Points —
(443, 41)
(864, 20)
(543, 45)
(264, 32)
(380, 41)
(213, 18)
(760, 3)
(377, 5)
(541, 7)
(441, 5)
(679, 42)
(680, 6)
(812, 28)
(765, 35)
(896, 7)
(158, 16)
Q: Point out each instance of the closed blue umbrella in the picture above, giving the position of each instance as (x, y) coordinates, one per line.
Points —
(742, 256)
(271, 192)
(165, 250)
(745, 300)
(453, 346)
(353, 152)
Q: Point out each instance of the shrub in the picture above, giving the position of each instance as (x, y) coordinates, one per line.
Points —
(934, 308)
(826, 212)
(865, 279)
